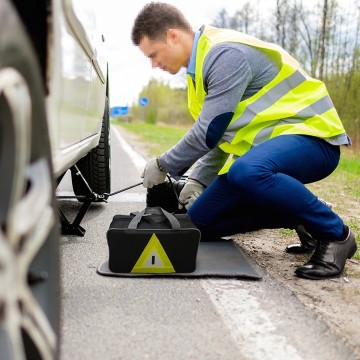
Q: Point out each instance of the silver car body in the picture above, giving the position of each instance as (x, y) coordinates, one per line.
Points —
(76, 82)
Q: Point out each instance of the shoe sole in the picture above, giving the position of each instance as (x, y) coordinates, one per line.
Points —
(316, 277)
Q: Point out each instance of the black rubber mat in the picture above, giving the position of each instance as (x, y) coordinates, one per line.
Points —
(214, 259)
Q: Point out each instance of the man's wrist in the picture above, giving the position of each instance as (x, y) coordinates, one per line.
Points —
(197, 181)
(158, 163)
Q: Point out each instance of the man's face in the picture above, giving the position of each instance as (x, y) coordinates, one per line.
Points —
(166, 53)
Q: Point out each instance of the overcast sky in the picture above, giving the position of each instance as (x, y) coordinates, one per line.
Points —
(130, 70)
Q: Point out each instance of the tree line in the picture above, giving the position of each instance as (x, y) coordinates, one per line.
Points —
(323, 38)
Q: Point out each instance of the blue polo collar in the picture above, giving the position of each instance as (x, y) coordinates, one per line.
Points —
(192, 63)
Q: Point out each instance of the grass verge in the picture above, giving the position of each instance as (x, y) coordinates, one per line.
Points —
(157, 138)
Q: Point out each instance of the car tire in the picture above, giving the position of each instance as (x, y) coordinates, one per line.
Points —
(29, 228)
(96, 165)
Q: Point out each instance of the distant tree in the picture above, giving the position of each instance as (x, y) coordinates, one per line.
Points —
(222, 20)
(245, 19)
(328, 25)
(165, 104)
(282, 9)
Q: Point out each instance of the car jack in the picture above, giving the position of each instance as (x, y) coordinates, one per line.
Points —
(75, 228)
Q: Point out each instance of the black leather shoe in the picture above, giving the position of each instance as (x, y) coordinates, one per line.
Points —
(307, 242)
(329, 258)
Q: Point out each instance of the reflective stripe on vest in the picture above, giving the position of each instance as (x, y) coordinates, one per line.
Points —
(292, 103)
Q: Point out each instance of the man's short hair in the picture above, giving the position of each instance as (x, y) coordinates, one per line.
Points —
(155, 19)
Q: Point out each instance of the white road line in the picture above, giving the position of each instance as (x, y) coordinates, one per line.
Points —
(136, 158)
(250, 326)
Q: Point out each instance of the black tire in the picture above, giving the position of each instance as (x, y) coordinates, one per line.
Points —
(29, 229)
(96, 165)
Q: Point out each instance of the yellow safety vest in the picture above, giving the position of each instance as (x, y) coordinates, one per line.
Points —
(292, 103)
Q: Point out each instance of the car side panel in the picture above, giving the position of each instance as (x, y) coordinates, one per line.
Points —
(77, 90)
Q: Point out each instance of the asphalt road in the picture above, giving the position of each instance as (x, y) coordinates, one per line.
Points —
(109, 318)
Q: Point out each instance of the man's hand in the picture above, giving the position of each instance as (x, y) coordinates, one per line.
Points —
(190, 192)
(152, 175)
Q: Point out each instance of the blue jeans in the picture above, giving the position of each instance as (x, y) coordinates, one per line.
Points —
(265, 189)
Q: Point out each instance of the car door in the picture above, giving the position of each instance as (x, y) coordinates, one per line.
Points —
(84, 80)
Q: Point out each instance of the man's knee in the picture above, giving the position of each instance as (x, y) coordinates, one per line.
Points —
(244, 175)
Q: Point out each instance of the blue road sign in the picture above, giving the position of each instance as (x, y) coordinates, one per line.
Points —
(143, 101)
(119, 110)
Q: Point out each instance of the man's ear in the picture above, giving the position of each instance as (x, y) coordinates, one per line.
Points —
(172, 35)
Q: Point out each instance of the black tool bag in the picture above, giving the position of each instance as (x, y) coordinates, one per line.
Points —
(152, 241)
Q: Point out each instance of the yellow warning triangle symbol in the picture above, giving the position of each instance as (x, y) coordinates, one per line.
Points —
(153, 259)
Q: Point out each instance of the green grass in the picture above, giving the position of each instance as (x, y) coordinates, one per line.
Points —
(350, 164)
(158, 138)
(348, 172)
(287, 232)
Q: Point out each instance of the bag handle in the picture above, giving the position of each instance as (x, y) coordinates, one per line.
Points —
(134, 223)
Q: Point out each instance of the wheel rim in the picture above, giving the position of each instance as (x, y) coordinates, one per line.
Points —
(27, 218)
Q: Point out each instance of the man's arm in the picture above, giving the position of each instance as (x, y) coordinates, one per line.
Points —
(207, 167)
